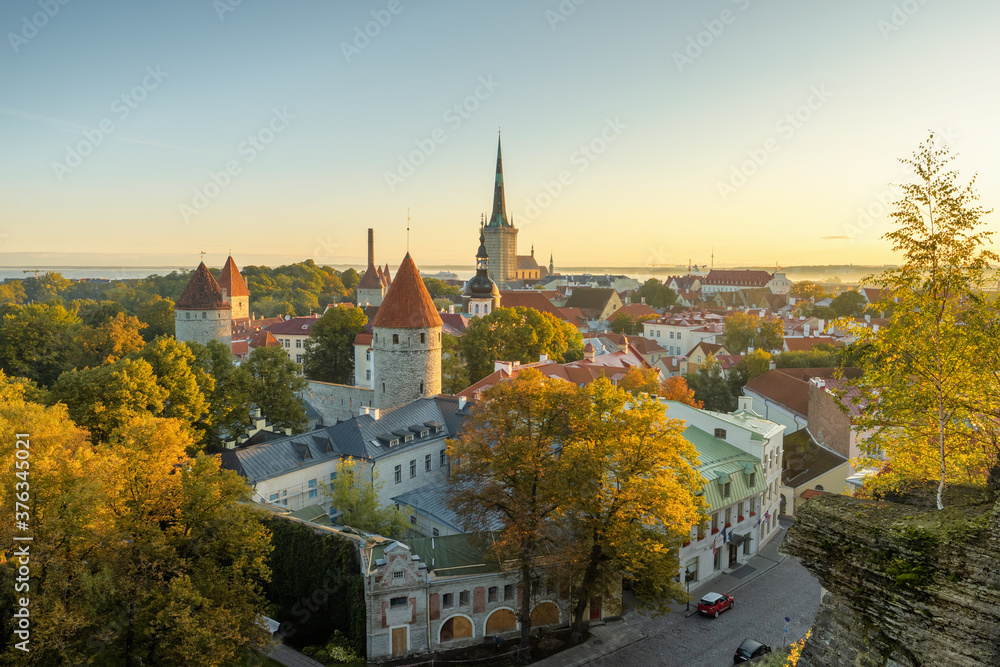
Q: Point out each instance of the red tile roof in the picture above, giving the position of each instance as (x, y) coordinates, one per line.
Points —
(784, 389)
(407, 304)
(745, 278)
(363, 339)
(231, 280)
(371, 280)
(240, 348)
(635, 311)
(296, 326)
(528, 299)
(807, 343)
(202, 292)
(810, 493)
(263, 339)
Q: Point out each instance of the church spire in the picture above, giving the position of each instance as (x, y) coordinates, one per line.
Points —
(499, 216)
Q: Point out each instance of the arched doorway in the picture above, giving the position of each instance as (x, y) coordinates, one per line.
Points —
(456, 627)
(502, 620)
(546, 613)
(782, 506)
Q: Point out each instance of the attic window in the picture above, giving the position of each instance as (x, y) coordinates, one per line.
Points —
(407, 438)
(394, 442)
(720, 433)
(397, 575)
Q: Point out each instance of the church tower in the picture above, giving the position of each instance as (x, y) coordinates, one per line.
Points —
(234, 290)
(406, 341)
(481, 295)
(201, 313)
(501, 235)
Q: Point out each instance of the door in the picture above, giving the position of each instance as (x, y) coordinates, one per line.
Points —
(398, 642)
(734, 555)
(595, 609)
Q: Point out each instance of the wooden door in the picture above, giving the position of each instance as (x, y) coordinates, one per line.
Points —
(398, 642)
(595, 609)
(734, 555)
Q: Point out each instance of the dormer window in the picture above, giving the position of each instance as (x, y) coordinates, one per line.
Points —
(720, 433)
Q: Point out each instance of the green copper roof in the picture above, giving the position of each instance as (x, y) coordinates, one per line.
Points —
(451, 555)
(721, 462)
(498, 218)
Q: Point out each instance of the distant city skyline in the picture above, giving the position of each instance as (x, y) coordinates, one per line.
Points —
(634, 133)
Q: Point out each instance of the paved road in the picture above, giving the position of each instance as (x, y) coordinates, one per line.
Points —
(762, 604)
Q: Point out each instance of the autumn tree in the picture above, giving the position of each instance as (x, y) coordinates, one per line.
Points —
(744, 331)
(928, 398)
(275, 385)
(186, 384)
(810, 290)
(675, 388)
(329, 350)
(111, 339)
(640, 381)
(504, 463)
(358, 499)
(517, 334)
(38, 341)
(630, 496)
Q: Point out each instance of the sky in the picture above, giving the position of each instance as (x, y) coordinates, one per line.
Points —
(635, 133)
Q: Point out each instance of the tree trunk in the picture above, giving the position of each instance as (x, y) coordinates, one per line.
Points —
(524, 656)
(586, 587)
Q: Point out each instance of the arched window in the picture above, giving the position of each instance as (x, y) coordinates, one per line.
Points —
(819, 487)
(395, 339)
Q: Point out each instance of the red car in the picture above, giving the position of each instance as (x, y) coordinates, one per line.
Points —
(713, 603)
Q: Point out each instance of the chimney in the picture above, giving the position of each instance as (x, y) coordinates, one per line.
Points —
(371, 247)
(375, 413)
(543, 357)
(868, 317)
(745, 403)
(363, 410)
(461, 402)
(451, 309)
(502, 366)
(589, 352)
(805, 329)
(643, 300)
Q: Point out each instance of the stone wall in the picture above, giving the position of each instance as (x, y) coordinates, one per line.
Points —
(337, 402)
(405, 368)
(907, 585)
(827, 423)
(215, 325)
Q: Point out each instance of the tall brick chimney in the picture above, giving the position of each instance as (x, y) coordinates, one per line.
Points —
(371, 247)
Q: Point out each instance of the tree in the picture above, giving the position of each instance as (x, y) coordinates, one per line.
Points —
(186, 384)
(46, 287)
(358, 500)
(640, 381)
(229, 399)
(656, 294)
(12, 292)
(623, 324)
(108, 397)
(350, 279)
(630, 497)
(38, 341)
(849, 304)
(111, 340)
(275, 382)
(809, 290)
(815, 358)
(744, 331)
(757, 363)
(676, 388)
(928, 397)
(454, 375)
(439, 288)
(517, 334)
(329, 353)
(501, 466)
(710, 387)
(158, 315)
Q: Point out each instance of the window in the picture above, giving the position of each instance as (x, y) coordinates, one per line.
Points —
(395, 603)
(368, 355)
(287, 342)
(671, 335)
(413, 468)
(508, 592)
(421, 338)
(753, 480)
(444, 457)
(298, 358)
(298, 342)
(720, 433)
(368, 375)
(726, 491)
(463, 599)
(427, 463)
(435, 532)
(699, 358)
(491, 594)
(413, 520)
(188, 315)
(383, 387)
(448, 600)
(333, 477)
(718, 560)
(421, 385)
(729, 515)
(819, 487)
(739, 509)
(273, 498)
(204, 315)
(657, 333)
(398, 575)
(398, 474)
(395, 339)
(312, 488)
(715, 522)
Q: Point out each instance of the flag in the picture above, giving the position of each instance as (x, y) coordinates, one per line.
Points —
(714, 543)
(767, 516)
(724, 538)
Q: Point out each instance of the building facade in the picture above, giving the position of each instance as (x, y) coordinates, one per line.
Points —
(201, 313)
(373, 284)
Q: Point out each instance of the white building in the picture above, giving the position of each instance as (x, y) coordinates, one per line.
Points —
(679, 333)
(292, 335)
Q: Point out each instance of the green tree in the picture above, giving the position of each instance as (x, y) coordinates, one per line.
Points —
(439, 288)
(111, 340)
(711, 387)
(815, 358)
(12, 292)
(849, 304)
(157, 314)
(744, 331)
(329, 350)
(623, 324)
(105, 398)
(357, 499)
(501, 466)
(454, 375)
(656, 294)
(230, 397)
(46, 287)
(38, 341)
(517, 334)
(630, 496)
(929, 398)
(350, 279)
(187, 385)
(275, 383)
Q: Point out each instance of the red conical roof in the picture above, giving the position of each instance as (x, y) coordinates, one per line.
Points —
(371, 279)
(231, 280)
(202, 292)
(407, 304)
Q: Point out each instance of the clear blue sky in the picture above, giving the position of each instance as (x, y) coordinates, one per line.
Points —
(879, 74)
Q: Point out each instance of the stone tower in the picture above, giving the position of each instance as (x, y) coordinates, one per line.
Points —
(481, 294)
(406, 341)
(372, 286)
(234, 290)
(501, 235)
(201, 314)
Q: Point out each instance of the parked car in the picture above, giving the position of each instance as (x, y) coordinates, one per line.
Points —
(749, 649)
(713, 603)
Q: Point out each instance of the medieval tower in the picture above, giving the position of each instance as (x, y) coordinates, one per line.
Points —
(501, 235)
(234, 290)
(373, 285)
(202, 314)
(406, 341)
